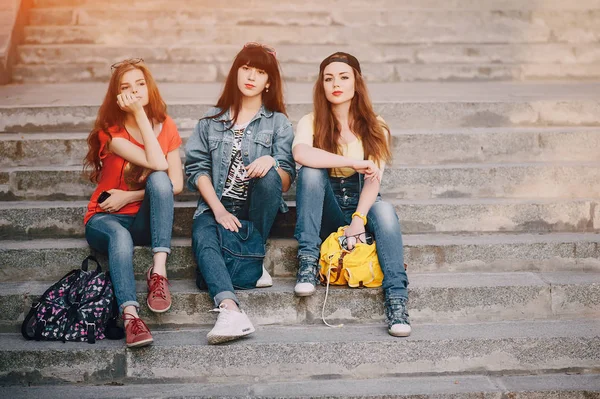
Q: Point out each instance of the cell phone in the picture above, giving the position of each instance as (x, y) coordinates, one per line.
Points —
(103, 196)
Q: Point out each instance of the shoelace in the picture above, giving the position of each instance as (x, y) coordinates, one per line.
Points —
(223, 313)
(396, 313)
(136, 324)
(157, 287)
(307, 274)
(325, 301)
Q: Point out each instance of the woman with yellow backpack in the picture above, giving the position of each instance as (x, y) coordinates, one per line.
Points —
(343, 147)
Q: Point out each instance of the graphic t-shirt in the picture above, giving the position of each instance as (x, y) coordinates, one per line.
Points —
(123, 175)
(236, 184)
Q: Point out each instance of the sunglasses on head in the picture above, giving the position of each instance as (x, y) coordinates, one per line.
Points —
(268, 49)
(129, 61)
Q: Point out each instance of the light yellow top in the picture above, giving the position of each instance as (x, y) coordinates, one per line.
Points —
(305, 135)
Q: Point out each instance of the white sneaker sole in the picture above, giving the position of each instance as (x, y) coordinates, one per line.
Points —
(219, 339)
(303, 289)
(405, 333)
(156, 310)
(140, 343)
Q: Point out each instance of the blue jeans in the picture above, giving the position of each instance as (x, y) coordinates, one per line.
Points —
(325, 203)
(117, 234)
(260, 208)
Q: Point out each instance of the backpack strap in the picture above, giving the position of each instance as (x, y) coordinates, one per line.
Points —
(113, 331)
(91, 332)
(86, 261)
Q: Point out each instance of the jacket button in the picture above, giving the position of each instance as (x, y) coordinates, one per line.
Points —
(246, 153)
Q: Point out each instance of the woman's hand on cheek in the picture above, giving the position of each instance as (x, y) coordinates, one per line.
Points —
(129, 103)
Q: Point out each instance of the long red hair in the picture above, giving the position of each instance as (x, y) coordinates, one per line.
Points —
(111, 116)
(373, 133)
(231, 97)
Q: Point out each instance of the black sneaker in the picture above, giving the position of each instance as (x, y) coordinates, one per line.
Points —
(397, 317)
(306, 279)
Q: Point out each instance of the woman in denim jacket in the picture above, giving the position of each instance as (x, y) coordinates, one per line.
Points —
(343, 147)
(239, 159)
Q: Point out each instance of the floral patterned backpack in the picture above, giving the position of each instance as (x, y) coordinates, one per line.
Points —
(78, 307)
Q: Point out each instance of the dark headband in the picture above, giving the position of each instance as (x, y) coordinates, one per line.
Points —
(341, 57)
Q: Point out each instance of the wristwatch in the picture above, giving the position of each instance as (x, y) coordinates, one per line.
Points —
(360, 215)
(276, 166)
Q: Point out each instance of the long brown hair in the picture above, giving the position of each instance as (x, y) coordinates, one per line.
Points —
(373, 133)
(111, 116)
(231, 97)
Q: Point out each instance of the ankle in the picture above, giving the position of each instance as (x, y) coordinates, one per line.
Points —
(159, 269)
(129, 313)
(230, 304)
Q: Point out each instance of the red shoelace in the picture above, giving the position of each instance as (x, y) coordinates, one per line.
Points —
(136, 324)
(157, 285)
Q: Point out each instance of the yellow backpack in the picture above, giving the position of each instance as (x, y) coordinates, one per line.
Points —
(357, 268)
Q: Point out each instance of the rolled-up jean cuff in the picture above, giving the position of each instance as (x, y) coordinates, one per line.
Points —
(161, 249)
(129, 303)
(396, 294)
(221, 296)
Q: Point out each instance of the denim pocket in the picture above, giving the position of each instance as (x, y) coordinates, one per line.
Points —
(243, 252)
(264, 138)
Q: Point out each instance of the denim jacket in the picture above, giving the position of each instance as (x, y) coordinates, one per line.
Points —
(209, 149)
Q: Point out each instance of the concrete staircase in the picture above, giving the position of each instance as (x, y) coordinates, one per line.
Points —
(194, 41)
(496, 184)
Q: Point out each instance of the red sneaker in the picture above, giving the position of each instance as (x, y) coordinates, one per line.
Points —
(137, 333)
(159, 297)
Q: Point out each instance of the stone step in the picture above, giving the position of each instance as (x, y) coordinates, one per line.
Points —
(58, 219)
(328, 4)
(50, 259)
(358, 15)
(564, 386)
(313, 353)
(536, 180)
(425, 105)
(446, 26)
(384, 72)
(433, 298)
(442, 27)
(287, 54)
(409, 146)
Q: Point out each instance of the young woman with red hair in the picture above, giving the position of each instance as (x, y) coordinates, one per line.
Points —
(343, 147)
(239, 159)
(134, 159)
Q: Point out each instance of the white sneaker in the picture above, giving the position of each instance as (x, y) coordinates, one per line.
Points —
(230, 325)
(400, 330)
(304, 289)
(265, 280)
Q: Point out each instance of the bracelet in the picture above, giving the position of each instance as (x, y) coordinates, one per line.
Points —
(360, 215)
(276, 166)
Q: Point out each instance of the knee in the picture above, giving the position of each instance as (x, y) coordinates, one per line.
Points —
(271, 182)
(383, 215)
(312, 178)
(204, 229)
(121, 241)
(159, 183)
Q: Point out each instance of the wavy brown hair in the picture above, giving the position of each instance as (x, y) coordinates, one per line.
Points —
(111, 116)
(231, 97)
(373, 133)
